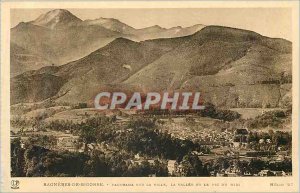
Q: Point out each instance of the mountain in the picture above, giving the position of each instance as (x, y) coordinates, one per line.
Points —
(111, 24)
(104, 67)
(56, 18)
(60, 37)
(156, 32)
(61, 45)
(230, 67)
(22, 60)
(35, 87)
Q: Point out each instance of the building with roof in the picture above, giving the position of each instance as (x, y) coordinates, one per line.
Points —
(240, 138)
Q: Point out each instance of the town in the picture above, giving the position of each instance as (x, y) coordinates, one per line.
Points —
(141, 144)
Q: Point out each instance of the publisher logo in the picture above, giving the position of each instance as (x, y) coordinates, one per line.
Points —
(15, 184)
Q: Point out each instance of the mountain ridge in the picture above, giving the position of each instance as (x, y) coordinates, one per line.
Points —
(231, 67)
(61, 37)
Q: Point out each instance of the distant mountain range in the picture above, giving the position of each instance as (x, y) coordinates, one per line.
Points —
(60, 37)
(231, 67)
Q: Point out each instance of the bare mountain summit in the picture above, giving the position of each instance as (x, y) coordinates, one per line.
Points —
(56, 18)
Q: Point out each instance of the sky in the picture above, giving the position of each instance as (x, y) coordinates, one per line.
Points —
(271, 22)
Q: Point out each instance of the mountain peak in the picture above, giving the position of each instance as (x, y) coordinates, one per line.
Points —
(111, 24)
(122, 40)
(56, 18)
(108, 19)
(103, 21)
(176, 27)
(152, 29)
(227, 34)
(156, 27)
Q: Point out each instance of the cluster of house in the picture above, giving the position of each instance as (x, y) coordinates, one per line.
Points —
(231, 171)
(138, 159)
(236, 139)
(235, 172)
(264, 173)
(176, 169)
(204, 135)
(240, 138)
(69, 143)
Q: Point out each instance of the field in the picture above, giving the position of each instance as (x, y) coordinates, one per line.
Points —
(250, 113)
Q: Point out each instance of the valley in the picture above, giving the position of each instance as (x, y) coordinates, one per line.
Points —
(59, 63)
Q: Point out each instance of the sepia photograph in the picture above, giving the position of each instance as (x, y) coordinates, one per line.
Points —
(164, 93)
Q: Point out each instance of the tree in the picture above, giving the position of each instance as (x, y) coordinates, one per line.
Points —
(256, 165)
(192, 166)
(17, 158)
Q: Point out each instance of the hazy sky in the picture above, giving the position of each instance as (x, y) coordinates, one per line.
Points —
(272, 22)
